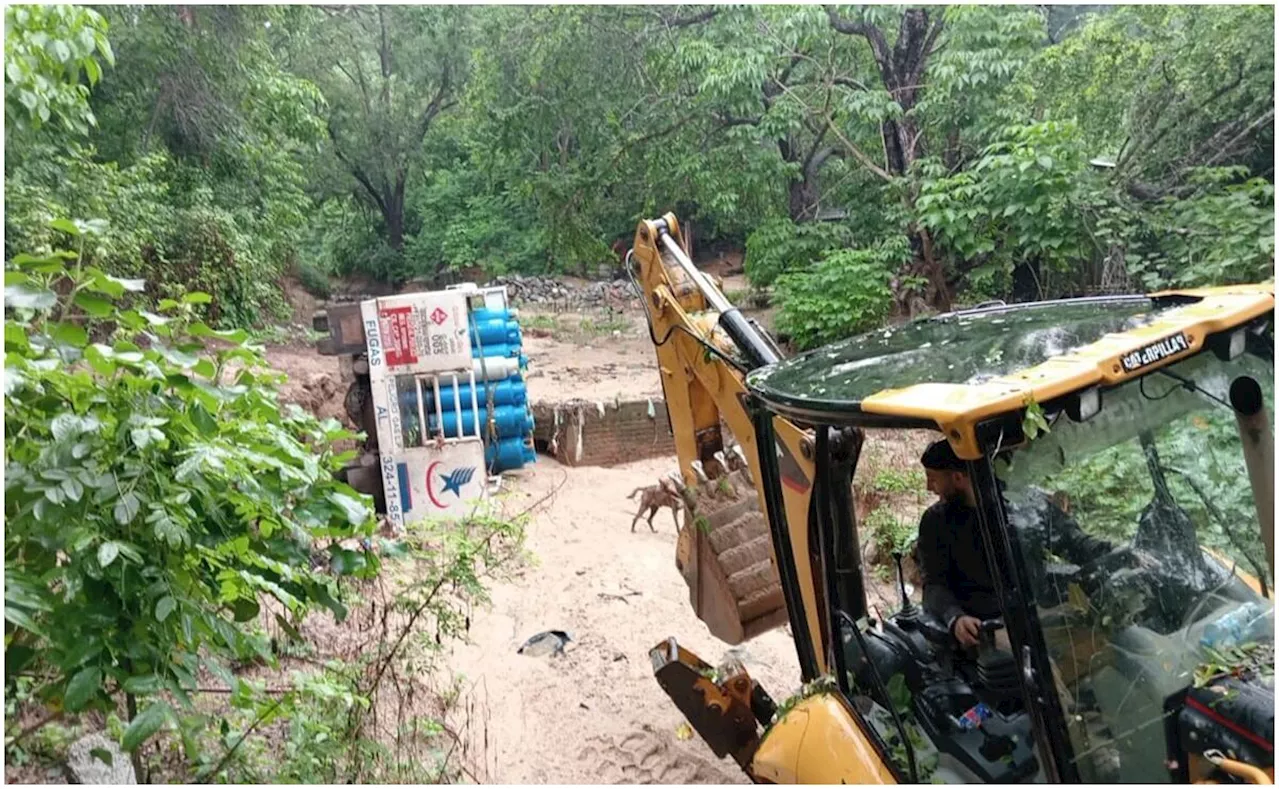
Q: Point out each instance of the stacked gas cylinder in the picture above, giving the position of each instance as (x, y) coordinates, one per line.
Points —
(497, 367)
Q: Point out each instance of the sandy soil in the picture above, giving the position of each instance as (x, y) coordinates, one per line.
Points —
(567, 362)
(595, 714)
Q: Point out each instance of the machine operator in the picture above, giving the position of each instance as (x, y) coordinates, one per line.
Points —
(958, 588)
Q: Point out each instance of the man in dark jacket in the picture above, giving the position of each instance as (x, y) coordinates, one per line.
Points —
(958, 588)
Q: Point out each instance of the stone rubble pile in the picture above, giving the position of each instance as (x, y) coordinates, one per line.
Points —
(548, 290)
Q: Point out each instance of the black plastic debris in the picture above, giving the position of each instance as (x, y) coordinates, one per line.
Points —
(548, 642)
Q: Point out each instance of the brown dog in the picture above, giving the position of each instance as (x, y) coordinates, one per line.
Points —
(654, 498)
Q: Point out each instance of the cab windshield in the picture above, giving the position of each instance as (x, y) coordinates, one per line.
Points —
(1141, 540)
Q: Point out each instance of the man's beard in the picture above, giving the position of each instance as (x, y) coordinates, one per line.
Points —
(955, 498)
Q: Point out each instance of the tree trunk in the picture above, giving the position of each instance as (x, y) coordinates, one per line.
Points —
(902, 68)
(802, 199)
(393, 215)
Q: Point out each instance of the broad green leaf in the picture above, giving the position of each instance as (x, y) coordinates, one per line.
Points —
(133, 285)
(102, 754)
(22, 619)
(29, 298)
(126, 509)
(143, 684)
(205, 368)
(99, 358)
(65, 426)
(96, 306)
(357, 512)
(199, 329)
(66, 226)
(70, 334)
(141, 437)
(108, 551)
(147, 723)
(165, 607)
(203, 420)
(197, 297)
(82, 688)
(288, 628)
(73, 489)
(14, 336)
(244, 609)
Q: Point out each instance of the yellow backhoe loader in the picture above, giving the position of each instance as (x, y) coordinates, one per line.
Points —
(1151, 664)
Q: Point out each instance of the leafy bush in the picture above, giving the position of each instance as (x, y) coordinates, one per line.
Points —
(46, 49)
(780, 246)
(847, 292)
(155, 492)
(1223, 234)
(315, 281)
(1017, 202)
(889, 532)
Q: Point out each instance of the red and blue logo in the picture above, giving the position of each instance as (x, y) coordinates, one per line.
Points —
(452, 481)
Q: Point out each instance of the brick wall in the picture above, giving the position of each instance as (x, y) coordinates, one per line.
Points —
(587, 433)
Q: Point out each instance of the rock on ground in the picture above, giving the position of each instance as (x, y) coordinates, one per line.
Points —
(86, 768)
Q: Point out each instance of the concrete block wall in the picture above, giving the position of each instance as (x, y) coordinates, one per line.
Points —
(602, 433)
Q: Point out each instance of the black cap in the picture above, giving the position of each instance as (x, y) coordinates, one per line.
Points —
(941, 457)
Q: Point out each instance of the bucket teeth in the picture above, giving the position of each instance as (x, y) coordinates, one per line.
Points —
(698, 470)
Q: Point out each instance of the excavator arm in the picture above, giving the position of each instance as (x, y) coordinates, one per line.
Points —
(736, 557)
(745, 550)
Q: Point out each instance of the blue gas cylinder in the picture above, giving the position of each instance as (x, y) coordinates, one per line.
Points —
(500, 350)
(510, 421)
(510, 391)
(486, 314)
(509, 453)
(494, 331)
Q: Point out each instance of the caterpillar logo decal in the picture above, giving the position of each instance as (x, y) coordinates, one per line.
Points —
(452, 481)
(1155, 352)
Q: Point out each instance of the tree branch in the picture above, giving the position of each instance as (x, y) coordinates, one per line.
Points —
(695, 19)
(925, 51)
(1227, 147)
(849, 82)
(1147, 145)
(727, 121)
(854, 151)
(356, 171)
(875, 38)
(438, 102)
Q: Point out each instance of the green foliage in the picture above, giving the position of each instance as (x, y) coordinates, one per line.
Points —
(1223, 234)
(47, 48)
(314, 280)
(1013, 204)
(398, 143)
(155, 492)
(890, 532)
(1201, 460)
(847, 292)
(896, 481)
(780, 246)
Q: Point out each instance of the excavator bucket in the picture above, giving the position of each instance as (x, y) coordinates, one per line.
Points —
(725, 555)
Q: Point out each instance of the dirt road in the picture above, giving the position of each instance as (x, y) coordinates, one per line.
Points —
(595, 714)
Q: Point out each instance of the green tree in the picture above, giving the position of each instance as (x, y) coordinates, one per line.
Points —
(155, 491)
(48, 48)
(388, 73)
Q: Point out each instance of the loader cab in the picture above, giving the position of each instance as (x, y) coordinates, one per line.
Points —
(1146, 413)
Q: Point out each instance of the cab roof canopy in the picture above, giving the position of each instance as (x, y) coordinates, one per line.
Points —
(960, 368)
